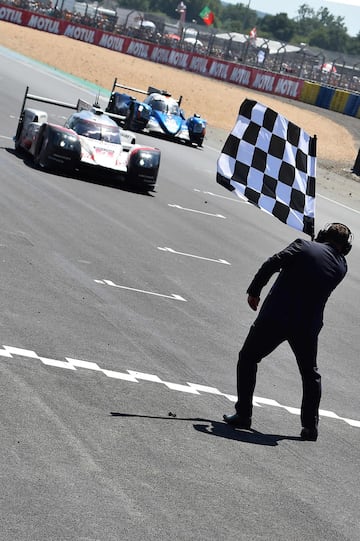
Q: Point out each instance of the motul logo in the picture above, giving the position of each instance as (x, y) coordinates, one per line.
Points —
(112, 42)
(264, 82)
(10, 15)
(286, 87)
(138, 49)
(42, 23)
(79, 33)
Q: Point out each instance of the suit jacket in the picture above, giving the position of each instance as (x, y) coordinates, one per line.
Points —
(309, 272)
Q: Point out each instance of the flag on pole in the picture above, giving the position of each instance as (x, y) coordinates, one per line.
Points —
(271, 163)
(207, 15)
(253, 36)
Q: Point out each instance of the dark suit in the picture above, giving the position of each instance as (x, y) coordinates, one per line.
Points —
(292, 311)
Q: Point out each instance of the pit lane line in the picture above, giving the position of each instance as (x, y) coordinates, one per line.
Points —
(133, 376)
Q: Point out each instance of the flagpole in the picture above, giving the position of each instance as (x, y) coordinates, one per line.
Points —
(247, 18)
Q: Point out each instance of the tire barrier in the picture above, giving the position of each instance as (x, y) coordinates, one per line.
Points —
(352, 106)
(310, 92)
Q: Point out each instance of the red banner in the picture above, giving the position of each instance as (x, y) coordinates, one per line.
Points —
(230, 72)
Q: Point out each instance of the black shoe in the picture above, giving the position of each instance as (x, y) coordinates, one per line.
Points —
(309, 434)
(237, 421)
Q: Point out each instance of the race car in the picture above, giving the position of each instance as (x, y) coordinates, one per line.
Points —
(158, 113)
(90, 139)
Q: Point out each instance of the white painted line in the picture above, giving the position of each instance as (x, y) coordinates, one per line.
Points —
(21, 352)
(197, 211)
(83, 364)
(223, 261)
(58, 364)
(240, 199)
(145, 377)
(174, 297)
(326, 413)
(205, 388)
(4, 353)
(236, 199)
(265, 401)
(134, 377)
(231, 397)
(295, 411)
(351, 422)
(339, 204)
(119, 375)
(179, 387)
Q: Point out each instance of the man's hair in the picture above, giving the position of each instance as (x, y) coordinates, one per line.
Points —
(338, 235)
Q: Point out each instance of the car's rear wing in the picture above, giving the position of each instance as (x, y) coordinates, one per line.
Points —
(79, 106)
(42, 99)
(150, 90)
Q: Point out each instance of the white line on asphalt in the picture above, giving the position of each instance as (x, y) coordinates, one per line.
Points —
(223, 261)
(133, 376)
(174, 297)
(340, 204)
(197, 211)
(237, 199)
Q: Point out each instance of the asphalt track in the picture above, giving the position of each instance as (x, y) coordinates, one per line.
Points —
(115, 301)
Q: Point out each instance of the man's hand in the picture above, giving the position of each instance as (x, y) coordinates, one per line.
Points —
(253, 302)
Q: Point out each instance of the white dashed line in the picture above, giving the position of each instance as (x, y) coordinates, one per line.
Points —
(9, 352)
(238, 199)
(223, 261)
(197, 211)
(173, 297)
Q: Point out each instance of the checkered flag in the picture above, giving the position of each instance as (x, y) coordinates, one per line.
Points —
(272, 163)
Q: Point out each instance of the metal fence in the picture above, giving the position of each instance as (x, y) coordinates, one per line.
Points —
(321, 67)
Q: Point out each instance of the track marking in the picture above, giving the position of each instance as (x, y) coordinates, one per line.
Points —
(9, 352)
(223, 261)
(174, 297)
(197, 211)
(339, 204)
(238, 199)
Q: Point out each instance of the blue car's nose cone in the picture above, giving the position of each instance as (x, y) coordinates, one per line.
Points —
(170, 124)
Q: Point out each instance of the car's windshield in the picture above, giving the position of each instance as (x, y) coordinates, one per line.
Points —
(159, 105)
(100, 132)
(164, 106)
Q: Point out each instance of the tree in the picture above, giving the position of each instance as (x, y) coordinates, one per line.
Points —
(278, 26)
(306, 21)
(238, 18)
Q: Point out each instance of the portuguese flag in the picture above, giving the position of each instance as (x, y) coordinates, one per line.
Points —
(207, 16)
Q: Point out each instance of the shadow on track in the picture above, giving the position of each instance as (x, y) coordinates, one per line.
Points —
(86, 174)
(219, 429)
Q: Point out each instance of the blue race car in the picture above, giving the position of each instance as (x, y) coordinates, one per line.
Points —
(158, 113)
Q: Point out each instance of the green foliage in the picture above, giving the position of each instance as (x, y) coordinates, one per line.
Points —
(278, 26)
(318, 28)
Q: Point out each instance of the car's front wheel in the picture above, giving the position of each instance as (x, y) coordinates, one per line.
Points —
(41, 153)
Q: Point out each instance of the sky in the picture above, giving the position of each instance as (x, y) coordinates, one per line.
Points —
(348, 9)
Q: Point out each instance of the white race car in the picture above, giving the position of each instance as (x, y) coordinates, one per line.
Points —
(89, 139)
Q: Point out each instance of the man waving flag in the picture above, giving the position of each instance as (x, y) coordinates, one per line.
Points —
(271, 162)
